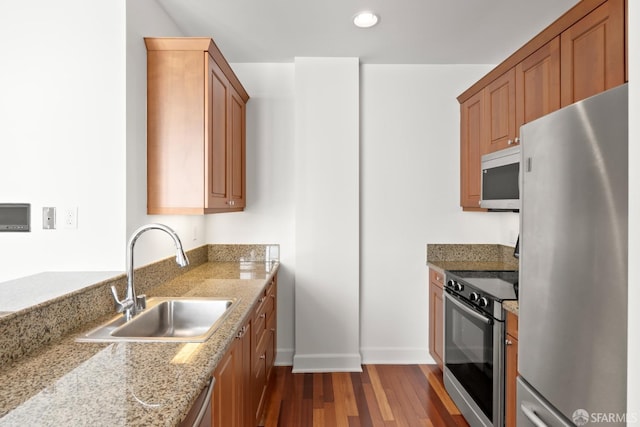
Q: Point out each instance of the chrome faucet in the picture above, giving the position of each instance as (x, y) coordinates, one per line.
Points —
(133, 303)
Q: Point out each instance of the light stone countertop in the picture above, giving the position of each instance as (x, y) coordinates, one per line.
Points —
(130, 384)
(512, 306)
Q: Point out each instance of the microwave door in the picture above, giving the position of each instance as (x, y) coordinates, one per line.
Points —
(500, 187)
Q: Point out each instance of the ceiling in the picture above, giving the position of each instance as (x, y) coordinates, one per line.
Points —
(409, 31)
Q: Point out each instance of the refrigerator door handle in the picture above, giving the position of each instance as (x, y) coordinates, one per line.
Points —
(532, 416)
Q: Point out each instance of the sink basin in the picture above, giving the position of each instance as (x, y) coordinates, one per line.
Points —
(166, 320)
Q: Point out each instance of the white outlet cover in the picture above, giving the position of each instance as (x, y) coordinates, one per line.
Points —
(70, 217)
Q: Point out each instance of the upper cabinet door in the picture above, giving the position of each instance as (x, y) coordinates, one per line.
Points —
(538, 84)
(593, 53)
(472, 137)
(500, 99)
(216, 148)
(237, 146)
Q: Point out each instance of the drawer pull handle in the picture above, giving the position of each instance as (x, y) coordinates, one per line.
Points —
(263, 315)
(262, 356)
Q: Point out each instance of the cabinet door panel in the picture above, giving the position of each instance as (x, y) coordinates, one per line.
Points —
(500, 98)
(472, 134)
(436, 326)
(538, 84)
(593, 53)
(237, 148)
(224, 392)
(511, 373)
(216, 125)
(511, 369)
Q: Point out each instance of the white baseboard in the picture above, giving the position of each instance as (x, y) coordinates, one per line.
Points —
(327, 363)
(396, 356)
(284, 357)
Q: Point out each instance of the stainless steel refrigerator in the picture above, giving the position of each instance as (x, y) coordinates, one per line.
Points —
(572, 355)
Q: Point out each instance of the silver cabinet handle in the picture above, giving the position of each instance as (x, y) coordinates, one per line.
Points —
(508, 342)
(517, 140)
(532, 416)
(510, 142)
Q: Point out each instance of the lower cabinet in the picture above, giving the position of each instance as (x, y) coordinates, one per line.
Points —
(265, 347)
(244, 373)
(436, 320)
(228, 390)
(511, 369)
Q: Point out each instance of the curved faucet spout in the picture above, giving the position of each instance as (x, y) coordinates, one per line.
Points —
(132, 302)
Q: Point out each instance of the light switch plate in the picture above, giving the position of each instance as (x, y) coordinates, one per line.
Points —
(48, 218)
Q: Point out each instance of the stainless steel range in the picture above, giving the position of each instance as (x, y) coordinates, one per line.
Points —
(474, 335)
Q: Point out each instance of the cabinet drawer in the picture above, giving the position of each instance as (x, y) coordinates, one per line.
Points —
(436, 277)
(512, 324)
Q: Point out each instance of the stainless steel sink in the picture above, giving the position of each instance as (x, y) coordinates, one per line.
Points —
(166, 320)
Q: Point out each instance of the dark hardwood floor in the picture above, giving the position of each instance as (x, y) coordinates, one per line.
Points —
(381, 395)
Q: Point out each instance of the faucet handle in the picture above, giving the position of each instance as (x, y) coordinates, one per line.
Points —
(141, 302)
(120, 305)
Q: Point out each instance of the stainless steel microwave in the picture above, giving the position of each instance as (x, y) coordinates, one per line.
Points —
(500, 180)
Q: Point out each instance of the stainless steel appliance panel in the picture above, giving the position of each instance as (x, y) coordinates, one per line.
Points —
(573, 255)
(500, 179)
(533, 411)
(474, 363)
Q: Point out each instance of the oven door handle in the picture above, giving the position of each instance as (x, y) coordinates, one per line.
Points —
(468, 310)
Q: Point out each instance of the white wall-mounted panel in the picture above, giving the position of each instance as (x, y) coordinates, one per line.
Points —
(327, 222)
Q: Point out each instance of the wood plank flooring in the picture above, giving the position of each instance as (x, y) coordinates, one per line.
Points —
(381, 395)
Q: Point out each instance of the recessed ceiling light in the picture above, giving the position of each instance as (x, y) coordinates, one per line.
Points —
(365, 19)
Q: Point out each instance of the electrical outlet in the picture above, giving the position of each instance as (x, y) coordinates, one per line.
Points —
(70, 217)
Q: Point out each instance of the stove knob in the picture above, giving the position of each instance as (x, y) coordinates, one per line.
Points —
(451, 283)
(459, 287)
(474, 296)
(483, 302)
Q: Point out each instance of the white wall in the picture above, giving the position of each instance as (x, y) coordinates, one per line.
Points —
(633, 374)
(145, 18)
(269, 216)
(410, 160)
(62, 131)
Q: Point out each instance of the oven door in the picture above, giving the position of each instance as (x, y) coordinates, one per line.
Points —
(472, 362)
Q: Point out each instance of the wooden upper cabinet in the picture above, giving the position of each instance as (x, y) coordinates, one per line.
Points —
(580, 54)
(500, 99)
(593, 53)
(195, 129)
(472, 137)
(538, 84)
